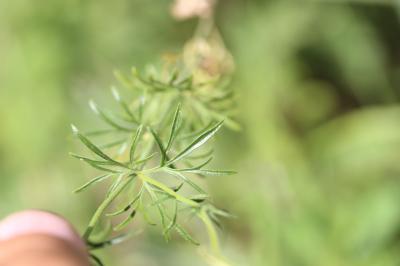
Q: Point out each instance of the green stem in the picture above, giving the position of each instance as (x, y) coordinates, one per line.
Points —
(168, 190)
(212, 233)
(107, 201)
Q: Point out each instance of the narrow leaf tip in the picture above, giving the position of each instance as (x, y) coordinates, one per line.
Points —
(115, 93)
(93, 106)
(74, 129)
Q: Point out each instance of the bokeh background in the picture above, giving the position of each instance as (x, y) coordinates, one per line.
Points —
(318, 86)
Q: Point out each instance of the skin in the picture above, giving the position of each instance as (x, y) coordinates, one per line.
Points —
(37, 238)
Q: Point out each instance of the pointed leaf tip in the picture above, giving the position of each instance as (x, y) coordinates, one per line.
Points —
(175, 125)
(115, 93)
(93, 106)
(74, 129)
(199, 141)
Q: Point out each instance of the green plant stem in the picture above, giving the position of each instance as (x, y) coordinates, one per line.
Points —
(168, 190)
(212, 233)
(107, 201)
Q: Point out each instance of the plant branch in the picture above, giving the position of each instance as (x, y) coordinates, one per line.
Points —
(107, 201)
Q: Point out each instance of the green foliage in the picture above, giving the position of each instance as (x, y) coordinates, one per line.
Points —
(169, 120)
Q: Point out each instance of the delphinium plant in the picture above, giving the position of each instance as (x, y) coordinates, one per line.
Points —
(155, 147)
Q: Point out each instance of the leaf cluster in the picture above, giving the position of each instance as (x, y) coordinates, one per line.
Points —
(160, 142)
(202, 102)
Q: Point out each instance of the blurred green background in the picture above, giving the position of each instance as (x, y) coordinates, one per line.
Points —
(318, 86)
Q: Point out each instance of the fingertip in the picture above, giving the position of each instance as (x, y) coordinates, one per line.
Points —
(39, 222)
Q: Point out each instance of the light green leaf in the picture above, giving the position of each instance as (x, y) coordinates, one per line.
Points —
(160, 146)
(185, 235)
(91, 161)
(110, 242)
(196, 167)
(106, 118)
(172, 223)
(198, 142)
(185, 179)
(92, 181)
(93, 147)
(124, 105)
(125, 222)
(160, 207)
(204, 172)
(127, 207)
(174, 128)
(134, 144)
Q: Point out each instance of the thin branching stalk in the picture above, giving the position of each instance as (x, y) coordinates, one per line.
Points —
(107, 201)
(162, 136)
